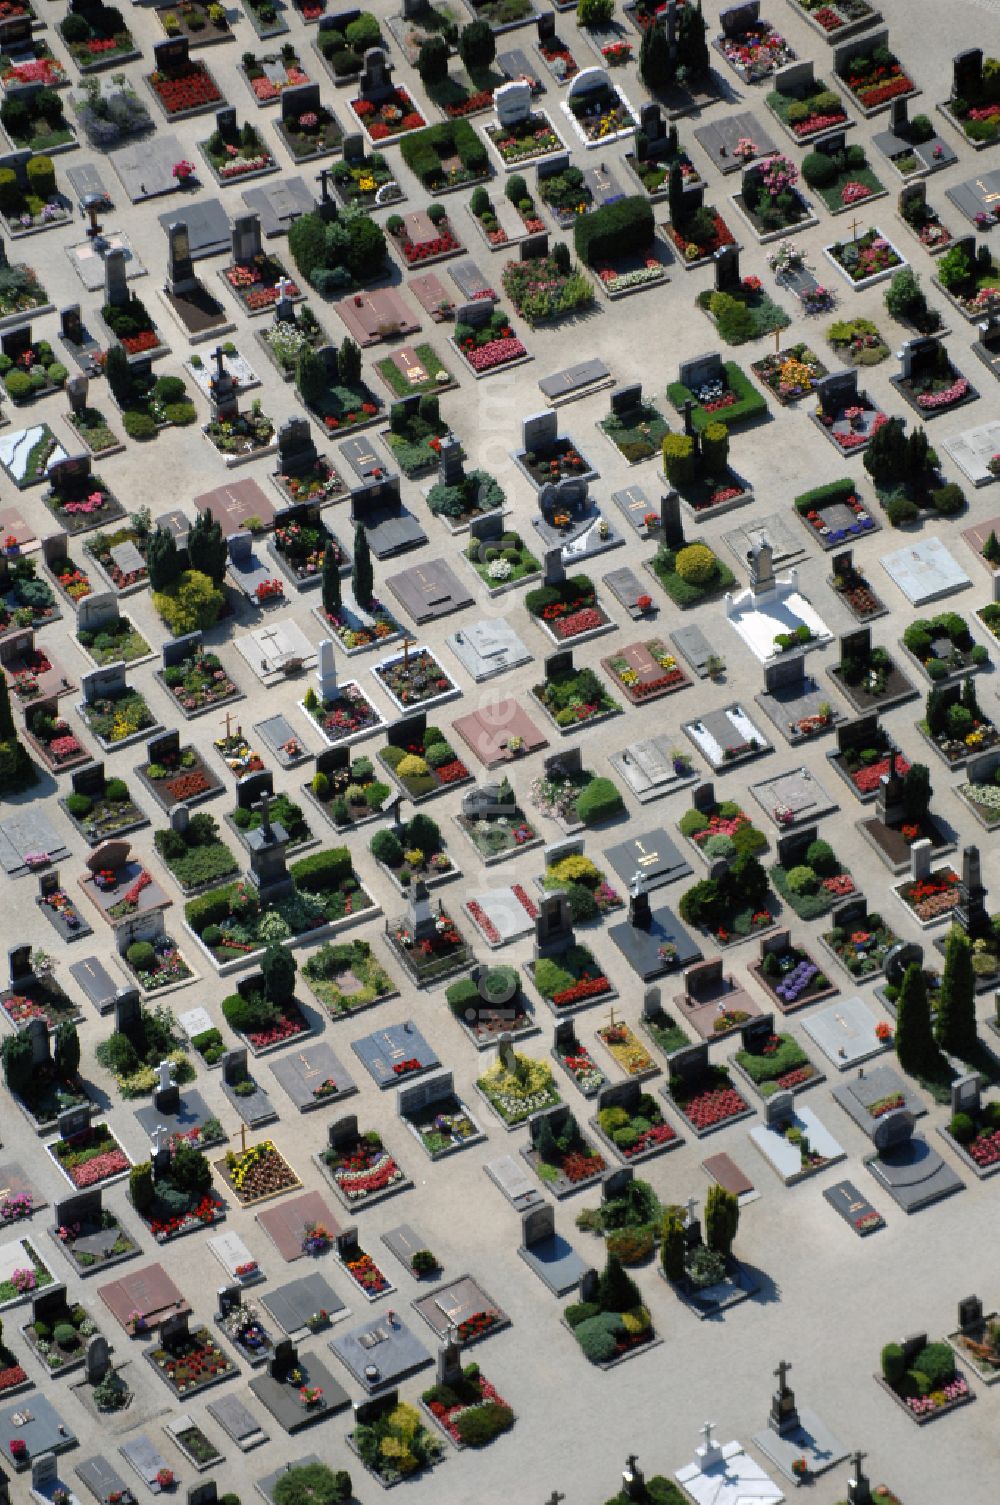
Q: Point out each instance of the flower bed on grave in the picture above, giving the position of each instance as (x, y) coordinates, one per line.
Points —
(637, 434)
(781, 1065)
(118, 641)
(82, 507)
(483, 210)
(614, 1323)
(286, 341)
(743, 313)
(43, 999)
(91, 1157)
(565, 1159)
(438, 954)
(500, 834)
(575, 696)
(100, 545)
(450, 155)
(756, 51)
(344, 714)
(573, 978)
(199, 681)
(637, 691)
(580, 1065)
(627, 1050)
(413, 678)
(576, 795)
(790, 374)
(866, 257)
(568, 609)
(256, 1173)
(874, 78)
(266, 89)
(415, 441)
(932, 898)
(525, 140)
(46, 1089)
(116, 718)
(133, 1058)
(21, 293)
(195, 856)
(960, 726)
(243, 434)
(230, 923)
(15, 1207)
(97, 37)
(180, 92)
(769, 198)
(709, 1101)
(72, 580)
(394, 116)
(87, 1260)
(24, 681)
(700, 234)
(732, 906)
(181, 1199)
(363, 1170)
(350, 795)
(842, 179)
(792, 976)
(722, 830)
(261, 1022)
(447, 241)
(353, 632)
(518, 1093)
(930, 1386)
(320, 483)
(425, 767)
(365, 1273)
(181, 778)
(545, 289)
(396, 1445)
(441, 1131)
(285, 812)
(357, 183)
(410, 382)
(964, 653)
(255, 282)
(984, 797)
(237, 754)
(192, 1363)
(503, 561)
(495, 1003)
(246, 156)
(59, 1340)
(811, 507)
(469, 1409)
(55, 743)
(489, 346)
(566, 194)
(413, 850)
(810, 110)
(730, 398)
(354, 963)
(34, 1276)
(863, 950)
(26, 601)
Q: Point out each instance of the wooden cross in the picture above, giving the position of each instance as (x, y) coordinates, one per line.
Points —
(777, 341)
(323, 178)
(612, 1021)
(408, 643)
(854, 229)
(228, 724)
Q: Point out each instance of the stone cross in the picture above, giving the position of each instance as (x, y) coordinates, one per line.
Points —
(219, 357)
(264, 806)
(323, 179)
(856, 1461)
(780, 1375)
(156, 1138)
(166, 1075)
(706, 1432)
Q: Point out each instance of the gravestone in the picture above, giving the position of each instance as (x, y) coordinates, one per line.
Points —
(512, 103)
(538, 1224)
(296, 447)
(44, 1474)
(966, 1094)
(98, 1359)
(615, 1183)
(181, 277)
(970, 912)
(449, 1363)
(245, 238)
(353, 144)
(784, 1418)
(376, 75)
(115, 277)
(553, 926)
(970, 1313)
(893, 1130)
(533, 247)
(727, 269)
(700, 369)
(967, 73)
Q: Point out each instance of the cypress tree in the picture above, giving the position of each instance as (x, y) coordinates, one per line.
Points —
(722, 1218)
(163, 562)
(656, 68)
(331, 580)
(955, 1022)
(67, 1049)
(675, 196)
(915, 1045)
(206, 547)
(616, 1290)
(362, 579)
(8, 731)
(349, 363)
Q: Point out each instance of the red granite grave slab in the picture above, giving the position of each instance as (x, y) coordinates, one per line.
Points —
(377, 315)
(430, 292)
(285, 1224)
(150, 1292)
(233, 503)
(488, 731)
(727, 1174)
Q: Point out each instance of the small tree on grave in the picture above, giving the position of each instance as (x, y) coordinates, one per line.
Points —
(722, 1218)
(206, 546)
(915, 1045)
(8, 731)
(477, 46)
(968, 696)
(955, 1019)
(917, 793)
(349, 363)
(331, 580)
(278, 968)
(432, 61)
(885, 456)
(673, 1244)
(18, 1068)
(66, 1054)
(362, 578)
(311, 377)
(616, 1290)
(656, 66)
(991, 549)
(675, 194)
(163, 561)
(918, 452)
(692, 41)
(119, 373)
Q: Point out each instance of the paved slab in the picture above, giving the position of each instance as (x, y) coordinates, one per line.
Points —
(380, 1352)
(389, 1054)
(488, 648)
(286, 1222)
(925, 571)
(291, 1304)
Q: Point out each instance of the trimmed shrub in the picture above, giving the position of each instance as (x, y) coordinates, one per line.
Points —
(679, 459)
(598, 802)
(615, 230)
(696, 564)
(818, 170)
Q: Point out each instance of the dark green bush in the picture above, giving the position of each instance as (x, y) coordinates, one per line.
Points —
(615, 230)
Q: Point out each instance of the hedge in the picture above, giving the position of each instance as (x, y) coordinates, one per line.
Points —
(616, 230)
(749, 403)
(598, 801)
(422, 150)
(322, 870)
(833, 491)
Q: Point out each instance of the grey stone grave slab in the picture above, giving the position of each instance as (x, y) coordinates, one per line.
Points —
(641, 946)
(924, 571)
(845, 1032)
(504, 910)
(972, 450)
(364, 461)
(720, 137)
(26, 831)
(266, 1485)
(429, 591)
(891, 145)
(914, 1174)
(96, 982)
(488, 648)
(291, 1304)
(275, 732)
(603, 185)
(146, 167)
(853, 1207)
(515, 65)
(45, 1432)
(575, 381)
(86, 182)
(878, 1083)
(625, 585)
(238, 1422)
(798, 790)
(556, 1262)
(192, 1111)
(100, 1478)
(283, 1402)
(381, 1352)
(278, 203)
(302, 1072)
(797, 280)
(404, 1242)
(386, 1048)
(647, 767)
(694, 647)
(255, 1109)
(977, 195)
(208, 227)
(634, 505)
(142, 1454)
(811, 1440)
(87, 259)
(510, 1175)
(652, 854)
(469, 279)
(787, 546)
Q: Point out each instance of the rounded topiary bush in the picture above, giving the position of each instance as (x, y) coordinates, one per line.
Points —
(599, 801)
(696, 564)
(139, 425)
(818, 170)
(140, 955)
(410, 766)
(597, 1336)
(802, 880)
(820, 857)
(480, 1424)
(65, 1334)
(962, 1128)
(116, 790)
(893, 1367)
(387, 848)
(79, 805)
